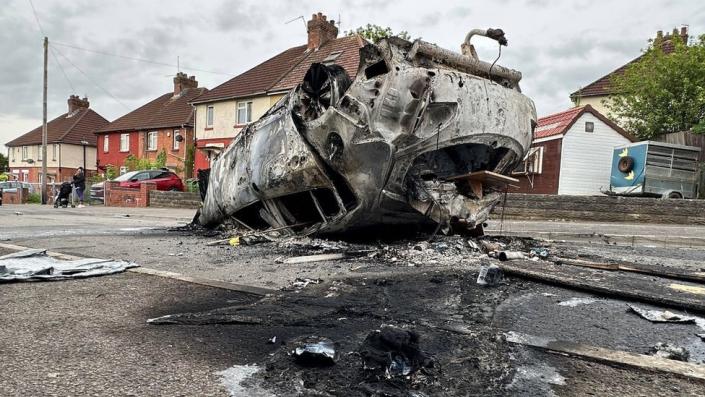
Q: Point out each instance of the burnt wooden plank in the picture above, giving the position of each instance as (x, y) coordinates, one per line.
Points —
(631, 286)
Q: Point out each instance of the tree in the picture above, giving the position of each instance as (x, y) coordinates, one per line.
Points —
(375, 33)
(3, 163)
(189, 160)
(662, 92)
(160, 162)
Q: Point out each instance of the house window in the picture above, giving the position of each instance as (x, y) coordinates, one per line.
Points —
(39, 153)
(176, 140)
(209, 116)
(54, 149)
(123, 170)
(124, 142)
(152, 140)
(589, 126)
(244, 112)
(106, 143)
(532, 163)
(25, 153)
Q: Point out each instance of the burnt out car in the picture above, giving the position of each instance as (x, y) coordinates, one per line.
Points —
(417, 137)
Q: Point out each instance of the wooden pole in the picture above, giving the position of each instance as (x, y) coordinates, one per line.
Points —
(44, 125)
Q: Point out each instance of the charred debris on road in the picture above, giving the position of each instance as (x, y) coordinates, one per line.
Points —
(421, 136)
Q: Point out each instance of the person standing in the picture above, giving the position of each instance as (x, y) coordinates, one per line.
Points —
(79, 183)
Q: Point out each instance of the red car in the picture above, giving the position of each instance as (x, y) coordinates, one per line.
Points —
(165, 179)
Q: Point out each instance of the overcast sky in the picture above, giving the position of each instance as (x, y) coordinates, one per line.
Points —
(557, 45)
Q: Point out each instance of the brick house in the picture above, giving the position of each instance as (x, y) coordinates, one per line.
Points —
(71, 143)
(595, 93)
(165, 123)
(571, 153)
(226, 109)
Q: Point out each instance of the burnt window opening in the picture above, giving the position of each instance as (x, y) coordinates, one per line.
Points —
(326, 199)
(251, 217)
(303, 209)
(376, 69)
(456, 160)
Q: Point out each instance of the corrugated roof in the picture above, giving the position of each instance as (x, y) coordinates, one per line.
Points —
(560, 123)
(163, 112)
(81, 126)
(557, 123)
(285, 70)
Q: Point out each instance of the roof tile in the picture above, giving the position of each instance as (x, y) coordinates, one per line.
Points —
(162, 112)
(74, 130)
(285, 70)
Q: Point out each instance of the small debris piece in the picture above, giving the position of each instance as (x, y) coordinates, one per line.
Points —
(313, 258)
(573, 302)
(273, 340)
(18, 213)
(315, 352)
(539, 252)
(510, 255)
(662, 316)
(301, 283)
(490, 275)
(393, 352)
(235, 241)
(671, 352)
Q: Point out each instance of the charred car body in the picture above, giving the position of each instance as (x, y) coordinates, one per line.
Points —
(389, 147)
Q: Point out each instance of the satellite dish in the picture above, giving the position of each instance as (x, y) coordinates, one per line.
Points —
(179, 138)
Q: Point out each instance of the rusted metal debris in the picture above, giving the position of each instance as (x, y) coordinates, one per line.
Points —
(400, 144)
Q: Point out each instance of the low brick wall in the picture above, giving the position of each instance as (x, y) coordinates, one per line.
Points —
(19, 197)
(116, 196)
(603, 209)
(174, 199)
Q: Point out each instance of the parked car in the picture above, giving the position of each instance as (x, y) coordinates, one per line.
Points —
(11, 186)
(165, 180)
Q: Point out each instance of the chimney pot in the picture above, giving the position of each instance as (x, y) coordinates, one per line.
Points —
(320, 31)
(183, 82)
(76, 103)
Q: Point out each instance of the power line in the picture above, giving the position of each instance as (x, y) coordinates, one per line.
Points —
(91, 80)
(53, 53)
(36, 17)
(137, 59)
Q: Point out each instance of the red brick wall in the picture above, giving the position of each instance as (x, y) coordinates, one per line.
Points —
(116, 196)
(19, 197)
(138, 148)
(547, 181)
(114, 156)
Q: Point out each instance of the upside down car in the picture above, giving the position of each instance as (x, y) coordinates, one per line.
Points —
(396, 145)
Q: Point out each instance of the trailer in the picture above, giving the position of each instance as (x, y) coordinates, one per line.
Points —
(655, 169)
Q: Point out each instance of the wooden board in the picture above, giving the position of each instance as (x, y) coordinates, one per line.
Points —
(630, 286)
(614, 357)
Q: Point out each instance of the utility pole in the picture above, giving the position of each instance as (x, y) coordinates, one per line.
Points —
(44, 125)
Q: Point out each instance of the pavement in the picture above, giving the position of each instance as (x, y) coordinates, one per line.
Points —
(90, 337)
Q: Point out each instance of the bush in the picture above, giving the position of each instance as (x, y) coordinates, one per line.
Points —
(34, 198)
(4, 177)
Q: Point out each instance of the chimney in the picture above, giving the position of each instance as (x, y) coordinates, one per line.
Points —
(76, 103)
(684, 34)
(182, 82)
(320, 31)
